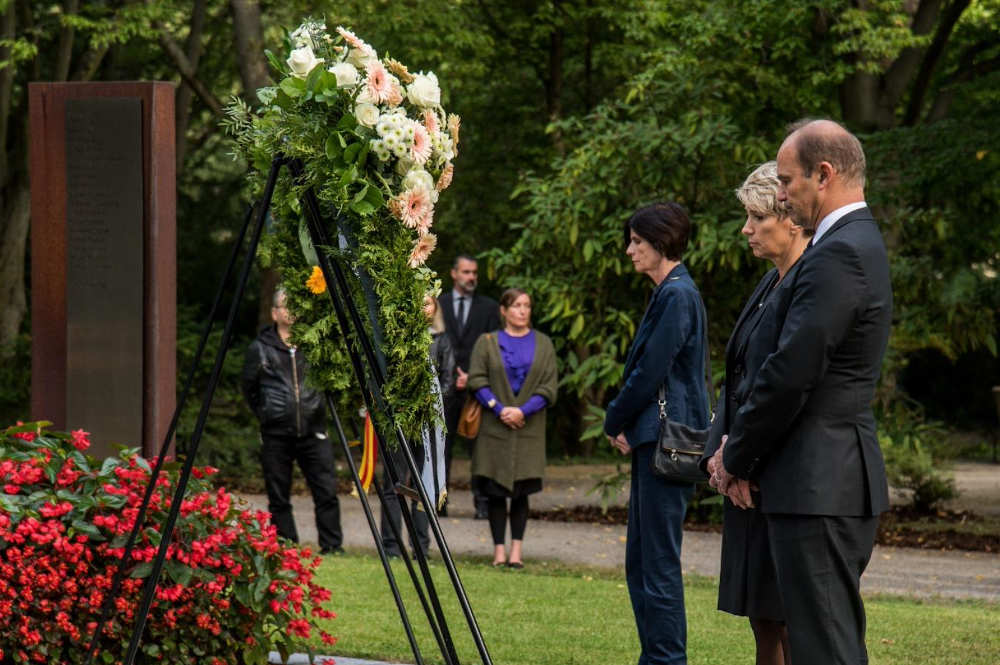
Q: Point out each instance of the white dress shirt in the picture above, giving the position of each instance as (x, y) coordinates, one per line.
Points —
(831, 219)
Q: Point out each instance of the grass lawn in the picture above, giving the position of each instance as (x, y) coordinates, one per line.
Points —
(552, 614)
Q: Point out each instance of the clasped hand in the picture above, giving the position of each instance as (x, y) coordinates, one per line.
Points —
(621, 443)
(737, 489)
(512, 417)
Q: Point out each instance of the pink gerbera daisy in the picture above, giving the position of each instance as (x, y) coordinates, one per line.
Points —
(412, 207)
(395, 97)
(430, 121)
(422, 249)
(445, 179)
(354, 41)
(424, 225)
(420, 151)
(378, 83)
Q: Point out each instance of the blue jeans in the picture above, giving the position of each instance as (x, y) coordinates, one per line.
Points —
(653, 562)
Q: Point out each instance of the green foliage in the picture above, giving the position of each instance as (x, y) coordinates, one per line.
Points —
(15, 381)
(912, 450)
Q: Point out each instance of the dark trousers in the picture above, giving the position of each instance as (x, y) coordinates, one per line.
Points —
(315, 458)
(390, 506)
(453, 410)
(819, 561)
(653, 562)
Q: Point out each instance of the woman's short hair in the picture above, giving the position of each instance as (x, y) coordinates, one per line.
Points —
(664, 225)
(510, 295)
(759, 192)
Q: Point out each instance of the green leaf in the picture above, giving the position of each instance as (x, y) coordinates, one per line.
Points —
(333, 150)
(88, 528)
(179, 572)
(348, 176)
(362, 193)
(293, 87)
(273, 60)
(143, 570)
(577, 326)
(375, 197)
(362, 208)
(351, 153)
(347, 122)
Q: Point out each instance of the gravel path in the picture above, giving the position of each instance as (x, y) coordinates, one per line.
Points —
(903, 571)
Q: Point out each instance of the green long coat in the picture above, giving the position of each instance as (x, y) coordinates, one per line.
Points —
(501, 453)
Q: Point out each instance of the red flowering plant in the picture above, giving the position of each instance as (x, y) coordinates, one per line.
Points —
(230, 591)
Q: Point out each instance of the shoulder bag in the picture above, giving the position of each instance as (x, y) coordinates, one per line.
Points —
(471, 416)
(679, 447)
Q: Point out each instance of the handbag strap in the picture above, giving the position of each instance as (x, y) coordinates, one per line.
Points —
(661, 394)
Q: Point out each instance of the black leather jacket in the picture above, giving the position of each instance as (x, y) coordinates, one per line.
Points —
(443, 355)
(274, 384)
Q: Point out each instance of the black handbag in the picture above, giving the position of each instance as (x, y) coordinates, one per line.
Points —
(679, 448)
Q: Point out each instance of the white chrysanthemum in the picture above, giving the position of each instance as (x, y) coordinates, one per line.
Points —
(444, 147)
(381, 150)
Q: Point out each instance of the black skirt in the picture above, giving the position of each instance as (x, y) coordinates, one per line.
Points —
(747, 582)
(489, 487)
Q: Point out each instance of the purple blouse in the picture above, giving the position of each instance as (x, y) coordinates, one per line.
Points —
(517, 354)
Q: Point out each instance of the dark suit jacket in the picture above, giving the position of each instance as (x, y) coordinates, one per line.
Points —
(483, 317)
(754, 338)
(806, 432)
(669, 347)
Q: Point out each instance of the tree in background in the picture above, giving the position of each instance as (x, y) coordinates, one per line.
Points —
(710, 102)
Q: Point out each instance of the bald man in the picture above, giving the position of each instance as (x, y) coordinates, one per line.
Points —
(806, 435)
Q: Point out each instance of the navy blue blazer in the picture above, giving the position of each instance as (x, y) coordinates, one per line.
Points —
(669, 348)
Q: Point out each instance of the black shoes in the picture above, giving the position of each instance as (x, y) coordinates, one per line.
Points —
(332, 551)
(481, 513)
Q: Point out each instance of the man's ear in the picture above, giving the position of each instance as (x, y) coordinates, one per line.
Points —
(826, 172)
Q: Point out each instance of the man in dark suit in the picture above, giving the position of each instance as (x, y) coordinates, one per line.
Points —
(467, 315)
(806, 434)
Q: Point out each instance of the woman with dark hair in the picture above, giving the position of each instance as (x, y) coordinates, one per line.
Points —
(748, 585)
(668, 351)
(512, 373)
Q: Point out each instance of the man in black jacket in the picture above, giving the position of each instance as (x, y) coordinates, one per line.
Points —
(292, 428)
(467, 315)
(806, 433)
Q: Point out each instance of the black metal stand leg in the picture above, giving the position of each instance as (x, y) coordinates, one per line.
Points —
(335, 278)
(379, 546)
(108, 604)
(167, 532)
(320, 239)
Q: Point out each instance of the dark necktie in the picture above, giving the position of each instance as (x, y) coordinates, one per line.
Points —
(461, 313)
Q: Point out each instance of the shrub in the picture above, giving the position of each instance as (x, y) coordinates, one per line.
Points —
(911, 466)
(230, 591)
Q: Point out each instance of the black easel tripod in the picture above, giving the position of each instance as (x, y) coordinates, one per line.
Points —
(372, 381)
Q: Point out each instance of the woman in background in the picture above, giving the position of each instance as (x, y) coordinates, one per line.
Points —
(513, 374)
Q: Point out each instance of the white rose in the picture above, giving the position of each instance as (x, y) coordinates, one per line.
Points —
(302, 60)
(365, 96)
(361, 57)
(366, 114)
(418, 178)
(424, 90)
(346, 74)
